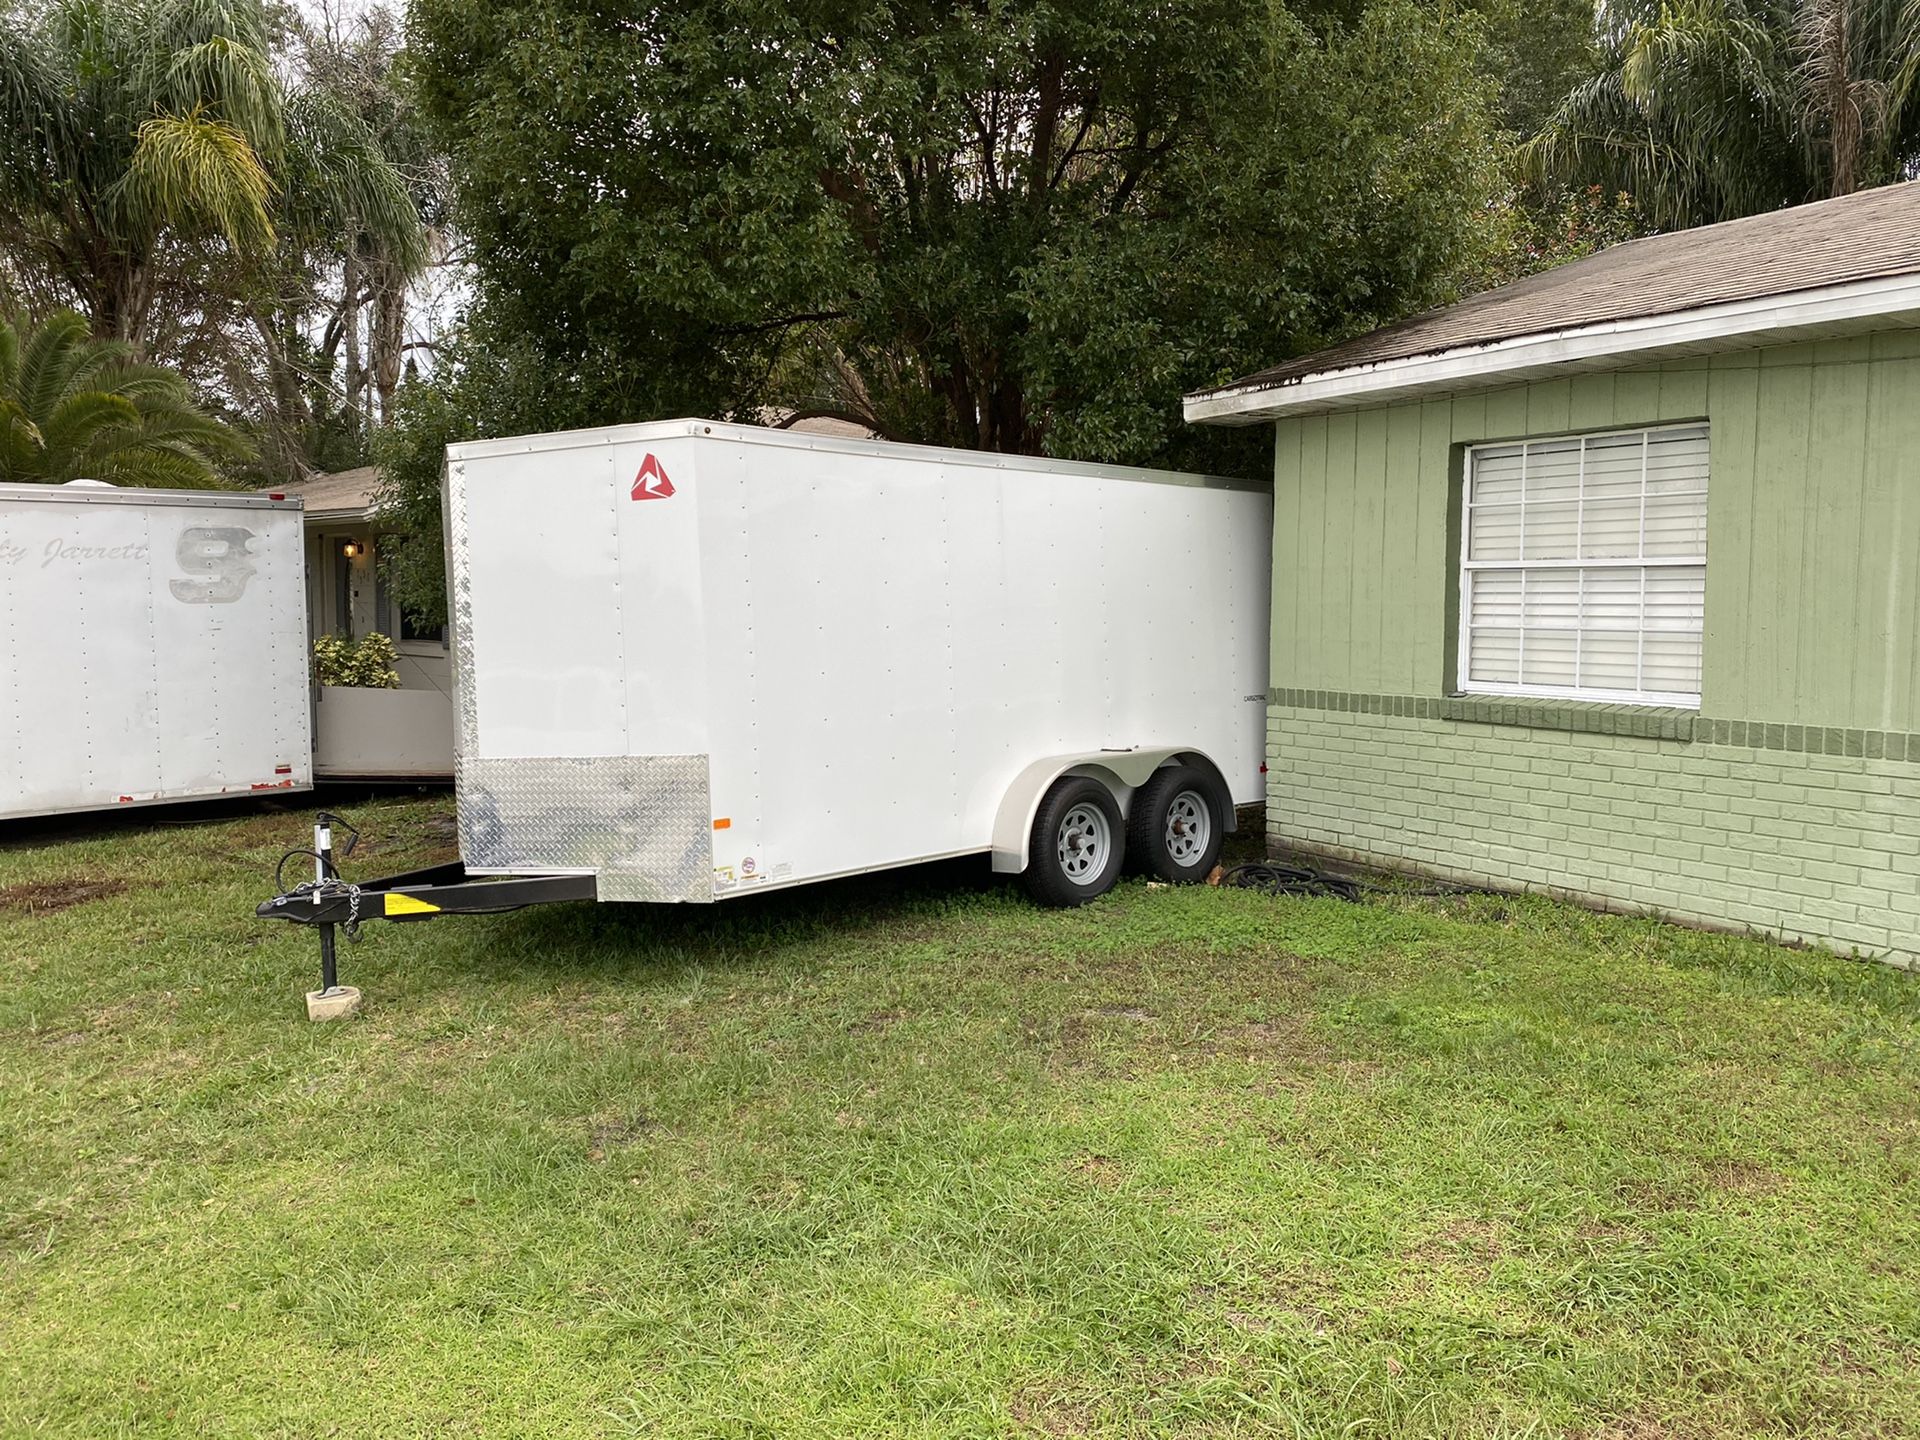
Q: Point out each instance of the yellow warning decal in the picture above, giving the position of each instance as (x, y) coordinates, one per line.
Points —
(408, 905)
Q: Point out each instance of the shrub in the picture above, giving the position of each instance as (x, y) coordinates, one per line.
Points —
(366, 665)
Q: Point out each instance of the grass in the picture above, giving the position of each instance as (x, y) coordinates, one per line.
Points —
(908, 1157)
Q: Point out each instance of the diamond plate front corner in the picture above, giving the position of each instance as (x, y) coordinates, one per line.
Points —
(639, 822)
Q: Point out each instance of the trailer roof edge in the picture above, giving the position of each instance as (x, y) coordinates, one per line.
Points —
(135, 495)
(801, 440)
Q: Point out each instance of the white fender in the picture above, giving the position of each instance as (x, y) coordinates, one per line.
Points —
(1121, 771)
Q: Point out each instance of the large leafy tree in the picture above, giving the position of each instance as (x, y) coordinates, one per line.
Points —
(1009, 224)
(151, 152)
(1535, 52)
(73, 407)
(1704, 110)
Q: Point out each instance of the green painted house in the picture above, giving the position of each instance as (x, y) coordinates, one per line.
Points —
(1607, 583)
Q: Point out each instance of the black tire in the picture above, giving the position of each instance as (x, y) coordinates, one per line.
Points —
(1053, 879)
(1180, 857)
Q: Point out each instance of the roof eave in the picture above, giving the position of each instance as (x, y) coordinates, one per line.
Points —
(1778, 319)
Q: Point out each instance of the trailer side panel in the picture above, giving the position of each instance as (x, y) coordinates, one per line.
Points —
(155, 648)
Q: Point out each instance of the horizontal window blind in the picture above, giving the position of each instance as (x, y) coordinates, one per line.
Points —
(1584, 567)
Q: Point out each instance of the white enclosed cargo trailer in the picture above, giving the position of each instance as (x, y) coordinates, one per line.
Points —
(155, 650)
(694, 661)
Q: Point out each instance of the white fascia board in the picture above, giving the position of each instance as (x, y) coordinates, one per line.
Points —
(1892, 299)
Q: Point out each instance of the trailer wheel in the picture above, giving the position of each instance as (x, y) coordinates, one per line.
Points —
(1078, 843)
(1176, 825)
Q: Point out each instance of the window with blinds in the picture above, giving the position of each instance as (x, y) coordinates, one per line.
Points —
(1584, 570)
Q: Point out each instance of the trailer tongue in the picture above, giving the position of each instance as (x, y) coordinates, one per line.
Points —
(330, 902)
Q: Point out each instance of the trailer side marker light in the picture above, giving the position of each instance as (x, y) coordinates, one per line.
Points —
(283, 769)
(723, 824)
(407, 905)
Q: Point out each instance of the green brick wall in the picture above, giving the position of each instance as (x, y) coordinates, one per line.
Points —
(1815, 847)
(1798, 813)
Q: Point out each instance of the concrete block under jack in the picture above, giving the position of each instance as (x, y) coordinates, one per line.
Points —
(335, 1004)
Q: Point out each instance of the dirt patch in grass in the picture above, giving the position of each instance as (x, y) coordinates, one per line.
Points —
(1650, 1197)
(1601, 1235)
(1464, 1244)
(1044, 1416)
(1743, 1177)
(1102, 1170)
(44, 897)
(612, 1132)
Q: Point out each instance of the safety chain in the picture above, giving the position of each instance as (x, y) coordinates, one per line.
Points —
(307, 890)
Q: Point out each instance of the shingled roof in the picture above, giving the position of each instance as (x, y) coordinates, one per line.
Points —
(340, 495)
(1868, 236)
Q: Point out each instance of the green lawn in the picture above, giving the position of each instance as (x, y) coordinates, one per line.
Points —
(908, 1157)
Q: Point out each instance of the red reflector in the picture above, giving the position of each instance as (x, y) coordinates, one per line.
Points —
(283, 769)
(1263, 768)
(276, 495)
(126, 799)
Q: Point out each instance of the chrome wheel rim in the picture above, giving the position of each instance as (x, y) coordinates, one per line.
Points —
(1083, 843)
(1189, 828)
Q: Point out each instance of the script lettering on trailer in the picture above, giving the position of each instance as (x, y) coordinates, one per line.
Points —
(216, 561)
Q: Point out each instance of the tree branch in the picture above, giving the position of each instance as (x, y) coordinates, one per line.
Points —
(809, 317)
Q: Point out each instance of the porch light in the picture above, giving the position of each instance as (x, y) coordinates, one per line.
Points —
(353, 549)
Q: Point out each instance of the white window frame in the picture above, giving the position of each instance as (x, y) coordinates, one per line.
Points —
(1468, 567)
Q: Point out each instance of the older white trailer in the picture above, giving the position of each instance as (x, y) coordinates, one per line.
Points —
(695, 661)
(155, 647)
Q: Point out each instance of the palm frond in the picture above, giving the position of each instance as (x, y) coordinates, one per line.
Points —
(20, 443)
(77, 418)
(203, 170)
(158, 466)
(37, 139)
(1701, 38)
(175, 25)
(47, 359)
(180, 429)
(234, 81)
(9, 355)
(1693, 115)
(75, 406)
(338, 175)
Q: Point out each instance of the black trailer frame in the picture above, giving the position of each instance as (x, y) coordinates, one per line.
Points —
(329, 902)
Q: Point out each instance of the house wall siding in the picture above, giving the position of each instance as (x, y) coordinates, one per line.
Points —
(1812, 636)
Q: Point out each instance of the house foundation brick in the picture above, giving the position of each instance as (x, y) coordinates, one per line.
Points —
(1650, 825)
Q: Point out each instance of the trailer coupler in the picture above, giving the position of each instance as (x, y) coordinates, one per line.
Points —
(328, 901)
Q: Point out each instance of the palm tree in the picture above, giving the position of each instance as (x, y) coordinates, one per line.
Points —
(73, 407)
(1704, 110)
(129, 126)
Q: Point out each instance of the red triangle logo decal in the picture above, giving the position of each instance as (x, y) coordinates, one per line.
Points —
(652, 482)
